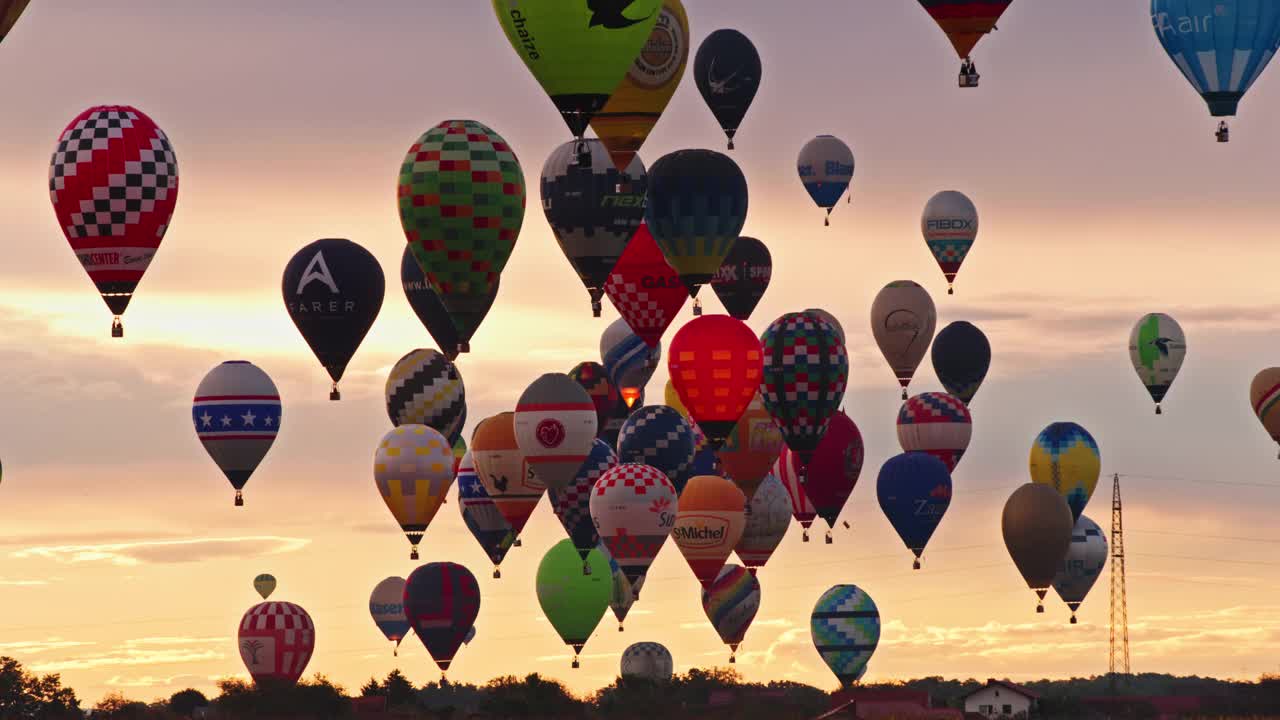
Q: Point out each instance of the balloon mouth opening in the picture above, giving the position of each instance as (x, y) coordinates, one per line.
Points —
(630, 395)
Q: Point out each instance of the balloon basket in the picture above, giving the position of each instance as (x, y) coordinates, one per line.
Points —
(731, 144)
(733, 659)
(620, 628)
(806, 535)
(1073, 619)
(847, 526)
(828, 538)
(239, 499)
(464, 347)
(904, 393)
(497, 574)
(334, 394)
(951, 290)
(1159, 411)
(586, 568)
(1040, 608)
(827, 222)
(916, 565)
(413, 554)
(117, 327)
(697, 307)
(517, 543)
(576, 664)
(596, 308)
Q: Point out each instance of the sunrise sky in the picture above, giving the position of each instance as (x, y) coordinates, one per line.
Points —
(1102, 195)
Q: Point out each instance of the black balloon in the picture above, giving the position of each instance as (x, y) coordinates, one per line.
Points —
(961, 357)
(727, 70)
(427, 306)
(333, 290)
(743, 277)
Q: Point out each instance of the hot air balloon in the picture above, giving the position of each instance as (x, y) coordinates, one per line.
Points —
(572, 504)
(647, 661)
(727, 69)
(622, 596)
(481, 516)
(113, 180)
(709, 524)
(935, 423)
(1065, 457)
(715, 364)
(461, 194)
(949, 225)
(902, 321)
(237, 413)
(743, 277)
(805, 373)
(826, 169)
(578, 52)
(768, 517)
(555, 426)
(1083, 564)
(750, 451)
(276, 641)
(961, 357)
(413, 469)
(265, 584)
(646, 290)
(788, 471)
(830, 320)
(425, 388)
(593, 210)
(504, 471)
(845, 626)
(441, 602)
(609, 431)
(628, 359)
(593, 378)
(333, 290)
(1157, 348)
(833, 471)
(573, 601)
(1037, 524)
(657, 436)
(639, 101)
(731, 602)
(914, 490)
(965, 22)
(634, 508)
(430, 310)
(9, 12)
(1221, 47)
(1263, 393)
(386, 606)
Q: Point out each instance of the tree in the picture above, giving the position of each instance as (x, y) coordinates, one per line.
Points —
(399, 691)
(533, 697)
(317, 699)
(24, 696)
(116, 706)
(185, 702)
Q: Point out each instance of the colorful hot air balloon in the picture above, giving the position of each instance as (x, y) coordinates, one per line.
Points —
(609, 431)
(1157, 348)
(826, 169)
(9, 12)
(833, 471)
(593, 209)
(1263, 393)
(441, 602)
(265, 584)
(902, 320)
(727, 70)
(237, 414)
(572, 504)
(845, 626)
(788, 471)
(386, 606)
(961, 357)
(555, 426)
(595, 380)
(413, 469)
(709, 525)
(504, 471)
(914, 490)
(634, 508)
(113, 180)
(431, 312)
(750, 451)
(425, 388)
(965, 22)
(1037, 524)
(276, 641)
(768, 517)
(949, 225)
(715, 364)
(461, 193)
(481, 516)
(830, 320)
(647, 661)
(333, 290)
(628, 359)
(935, 423)
(578, 52)
(731, 602)
(1083, 564)
(657, 436)
(646, 290)
(572, 600)
(1065, 457)
(806, 370)
(1220, 46)
(623, 594)
(743, 277)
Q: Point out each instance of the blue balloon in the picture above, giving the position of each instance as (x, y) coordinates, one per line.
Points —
(571, 505)
(481, 516)
(1221, 46)
(961, 357)
(626, 358)
(914, 490)
(659, 436)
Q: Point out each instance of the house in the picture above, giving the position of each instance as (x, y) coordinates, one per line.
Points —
(1000, 699)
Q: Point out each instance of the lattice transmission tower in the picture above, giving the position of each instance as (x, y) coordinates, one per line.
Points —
(1119, 667)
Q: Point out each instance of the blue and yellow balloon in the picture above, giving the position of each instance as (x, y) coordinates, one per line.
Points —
(1065, 457)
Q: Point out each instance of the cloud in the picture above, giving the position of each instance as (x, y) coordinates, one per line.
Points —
(125, 656)
(22, 583)
(151, 681)
(165, 551)
(32, 647)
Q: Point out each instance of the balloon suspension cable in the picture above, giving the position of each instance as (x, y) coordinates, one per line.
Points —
(828, 538)
(497, 574)
(697, 307)
(117, 327)
(596, 308)
(517, 543)
(239, 499)
(413, 553)
(334, 394)
(1158, 410)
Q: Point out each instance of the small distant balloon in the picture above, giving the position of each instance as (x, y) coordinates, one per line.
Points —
(1157, 348)
(1264, 394)
(950, 226)
(648, 661)
(265, 584)
(386, 606)
(825, 166)
(727, 70)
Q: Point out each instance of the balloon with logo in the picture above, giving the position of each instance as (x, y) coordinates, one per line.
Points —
(750, 451)
(961, 358)
(1157, 348)
(788, 471)
(826, 169)
(479, 513)
(265, 584)
(572, 504)
(573, 596)
(647, 661)
(646, 290)
(806, 370)
(845, 626)
(237, 414)
(914, 490)
(555, 426)
(1065, 457)
(504, 471)
(831, 475)
(441, 602)
(413, 469)
(634, 508)
(1083, 564)
(727, 70)
(431, 312)
(640, 99)
(657, 436)
(113, 180)
(709, 524)
(386, 605)
(965, 21)
(935, 423)
(715, 365)
(578, 52)
(425, 388)
(768, 517)
(333, 290)
(949, 225)
(731, 602)
(1036, 524)
(9, 12)
(743, 277)
(462, 196)
(902, 320)
(1264, 392)
(628, 360)
(276, 640)
(593, 209)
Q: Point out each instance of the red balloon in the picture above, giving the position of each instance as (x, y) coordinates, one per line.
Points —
(831, 475)
(716, 363)
(276, 640)
(645, 289)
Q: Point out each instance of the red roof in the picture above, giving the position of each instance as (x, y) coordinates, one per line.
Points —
(1004, 684)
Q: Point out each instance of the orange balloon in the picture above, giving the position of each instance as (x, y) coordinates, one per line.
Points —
(752, 448)
(716, 364)
(709, 524)
(504, 471)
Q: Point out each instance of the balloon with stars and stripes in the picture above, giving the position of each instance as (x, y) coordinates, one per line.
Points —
(479, 513)
(845, 626)
(237, 414)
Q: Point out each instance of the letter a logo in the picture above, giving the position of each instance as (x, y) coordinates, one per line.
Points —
(317, 270)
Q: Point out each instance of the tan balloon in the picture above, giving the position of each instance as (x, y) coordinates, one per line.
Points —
(1037, 527)
(709, 524)
(1264, 396)
(504, 471)
(903, 319)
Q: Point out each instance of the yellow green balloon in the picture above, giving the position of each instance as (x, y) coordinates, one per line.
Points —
(571, 598)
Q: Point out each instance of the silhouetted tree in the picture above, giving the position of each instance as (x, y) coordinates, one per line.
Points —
(184, 702)
(533, 697)
(115, 706)
(24, 696)
(317, 699)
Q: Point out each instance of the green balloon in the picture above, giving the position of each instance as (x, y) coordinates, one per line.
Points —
(578, 51)
(572, 601)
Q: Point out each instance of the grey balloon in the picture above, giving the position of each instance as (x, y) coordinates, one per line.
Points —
(1037, 524)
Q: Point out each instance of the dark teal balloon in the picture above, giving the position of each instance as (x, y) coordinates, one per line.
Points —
(961, 357)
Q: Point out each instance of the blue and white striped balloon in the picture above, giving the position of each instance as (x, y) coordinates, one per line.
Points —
(237, 414)
(628, 360)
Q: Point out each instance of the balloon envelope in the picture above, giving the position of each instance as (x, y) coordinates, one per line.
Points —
(431, 312)
(731, 602)
(806, 370)
(413, 469)
(1221, 47)
(237, 414)
(386, 606)
(743, 277)
(965, 21)
(9, 12)
(1065, 457)
(826, 169)
(1036, 524)
(646, 290)
(1157, 348)
(709, 524)
(768, 517)
(961, 357)
(715, 364)
(276, 640)
(573, 600)
(647, 660)
(914, 490)
(935, 423)
(845, 625)
(902, 320)
(658, 436)
(425, 388)
(555, 424)
(727, 70)
(788, 471)
(696, 208)
(628, 359)
(572, 504)
(595, 380)
(634, 508)
(441, 602)
(1264, 392)
(479, 513)
(265, 584)
(949, 225)
(504, 470)
(1083, 564)
(750, 451)
(832, 473)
